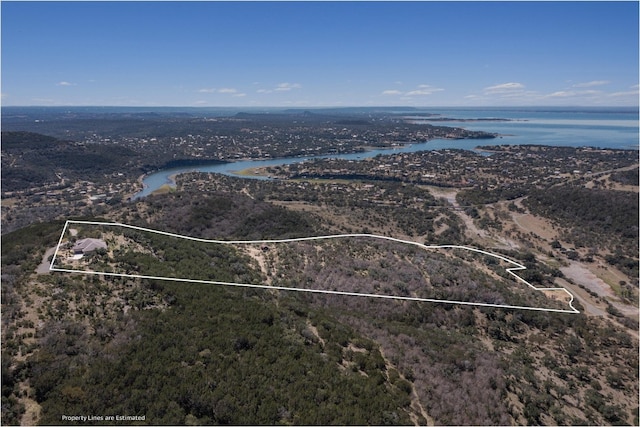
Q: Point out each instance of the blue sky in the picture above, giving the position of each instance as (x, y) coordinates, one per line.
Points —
(320, 53)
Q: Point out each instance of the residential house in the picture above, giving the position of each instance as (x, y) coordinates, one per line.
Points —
(89, 245)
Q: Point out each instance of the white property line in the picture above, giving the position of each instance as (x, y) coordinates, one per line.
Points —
(517, 266)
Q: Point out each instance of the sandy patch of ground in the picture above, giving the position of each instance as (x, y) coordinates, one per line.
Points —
(246, 191)
(623, 187)
(609, 274)
(259, 171)
(314, 331)
(557, 295)
(450, 196)
(582, 275)
(591, 307)
(483, 237)
(165, 188)
(627, 310)
(32, 409)
(257, 254)
(534, 224)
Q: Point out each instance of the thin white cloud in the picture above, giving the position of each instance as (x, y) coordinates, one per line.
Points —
(588, 93)
(592, 83)
(511, 92)
(519, 95)
(418, 92)
(239, 94)
(65, 84)
(561, 94)
(634, 92)
(504, 88)
(572, 93)
(224, 90)
(422, 90)
(283, 87)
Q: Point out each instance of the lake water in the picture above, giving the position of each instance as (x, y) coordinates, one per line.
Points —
(568, 127)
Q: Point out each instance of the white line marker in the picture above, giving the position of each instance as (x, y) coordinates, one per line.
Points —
(517, 266)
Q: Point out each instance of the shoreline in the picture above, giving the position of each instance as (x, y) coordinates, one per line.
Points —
(460, 120)
(246, 172)
(166, 188)
(139, 180)
(251, 172)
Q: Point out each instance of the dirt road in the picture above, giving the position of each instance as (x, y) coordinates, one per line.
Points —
(43, 268)
(582, 275)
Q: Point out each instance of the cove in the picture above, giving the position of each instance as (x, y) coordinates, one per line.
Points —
(608, 128)
(154, 181)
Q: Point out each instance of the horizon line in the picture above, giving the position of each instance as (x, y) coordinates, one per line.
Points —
(317, 106)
